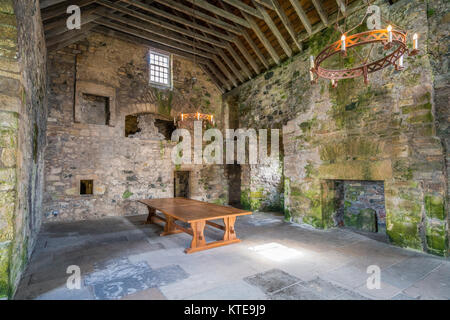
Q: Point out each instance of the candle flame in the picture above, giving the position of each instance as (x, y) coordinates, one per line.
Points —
(389, 28)
(343, 37)
(415, 36)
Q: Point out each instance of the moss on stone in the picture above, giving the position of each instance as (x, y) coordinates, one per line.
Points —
(434, 206)
(4, 270)
(403, 231)
(420, 107)
(423, 118)
(437, 239)
(127, 194)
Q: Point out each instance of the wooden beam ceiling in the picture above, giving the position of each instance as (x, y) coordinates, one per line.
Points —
(231, 40)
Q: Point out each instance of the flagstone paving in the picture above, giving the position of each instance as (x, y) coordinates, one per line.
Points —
(121, 258)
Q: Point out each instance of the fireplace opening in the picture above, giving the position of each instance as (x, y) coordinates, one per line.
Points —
(360, 205)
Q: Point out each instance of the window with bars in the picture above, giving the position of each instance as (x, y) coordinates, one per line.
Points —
(160, 73)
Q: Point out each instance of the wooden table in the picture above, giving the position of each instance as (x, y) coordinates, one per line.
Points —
(197, 214)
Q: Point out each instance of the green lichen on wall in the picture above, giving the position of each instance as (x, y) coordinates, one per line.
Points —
(350, 101)
(127, 194)
(437, 238)
(434, 206)
(306, 204)
(403, 228)
(4, 270)
(251, 200)
(164, 101)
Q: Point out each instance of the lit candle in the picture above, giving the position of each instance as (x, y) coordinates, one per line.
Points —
(400, 61)
(198, 116)
(333, 83)
(311, 62)
(415, 41)
(182, 116)
(212, 118)
(389, 30)
(343, 43)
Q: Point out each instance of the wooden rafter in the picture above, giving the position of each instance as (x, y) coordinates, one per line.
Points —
(268, 20)
(216, 32)
(342, 7)
(68, 37)
(321, 11)
(219, 12)
(266, 3)
(171, 17)
(163, 24)
(159, 32)
(302, 15)
(152, 37)
(60, 9)
(213, 77)
(254, 47)
(200, 15)
(48, 3)
(261, 36)
(217, 50)
(286, 22)
(130, 38)
(244, 7)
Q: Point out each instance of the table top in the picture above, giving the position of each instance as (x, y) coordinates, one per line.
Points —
(189, 210)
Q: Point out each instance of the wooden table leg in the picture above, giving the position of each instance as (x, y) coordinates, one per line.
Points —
(230, 233)
(198, 237)
(151, 214)
(170, 227)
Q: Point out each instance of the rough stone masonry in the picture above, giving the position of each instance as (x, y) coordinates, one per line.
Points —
(394, 130)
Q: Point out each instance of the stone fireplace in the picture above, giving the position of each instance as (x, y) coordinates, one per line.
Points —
(360, 205)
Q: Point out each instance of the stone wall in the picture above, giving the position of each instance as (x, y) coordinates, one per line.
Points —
(385, 131)
(22, 135)
(124, 169)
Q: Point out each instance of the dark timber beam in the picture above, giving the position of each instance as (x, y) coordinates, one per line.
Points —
(157, 22)
(302, 15)
(266, 3)
(225, 70)
(244, 7)
(133, 39)
(321, 11)
(263, 39)
(286, 22)
(213, 69)
(353, 7)
(62, 8)
(218, 11)
(151, 37)
(275, 31)
(342, 6)
(171, 17)
(159, 32)
(68, 36)
(255, 48)
(48, 3)
(213, 78)
(187, 10)
(247, 55)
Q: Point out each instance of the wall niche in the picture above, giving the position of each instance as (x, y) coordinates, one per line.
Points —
(95, 104)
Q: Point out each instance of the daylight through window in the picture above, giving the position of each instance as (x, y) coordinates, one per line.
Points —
(160, 68)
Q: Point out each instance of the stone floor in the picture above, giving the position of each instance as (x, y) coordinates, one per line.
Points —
(120, 258)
